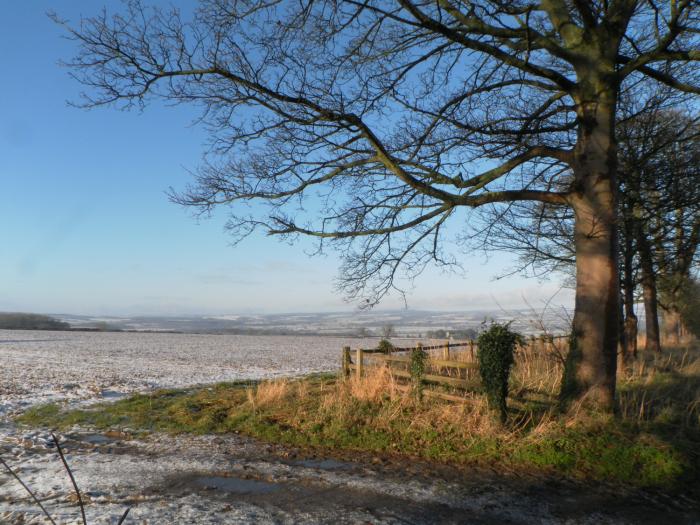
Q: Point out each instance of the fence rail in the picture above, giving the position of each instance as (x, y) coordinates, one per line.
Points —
(408, 349)
(460, 375)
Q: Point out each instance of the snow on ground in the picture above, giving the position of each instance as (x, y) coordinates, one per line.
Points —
(77, 367)
(41, 366)
(230, 479)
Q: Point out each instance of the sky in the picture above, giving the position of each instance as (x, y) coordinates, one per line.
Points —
(87, 228)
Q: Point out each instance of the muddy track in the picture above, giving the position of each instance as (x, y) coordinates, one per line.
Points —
(234, 479)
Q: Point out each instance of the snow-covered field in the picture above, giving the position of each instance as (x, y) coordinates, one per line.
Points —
(79, 367)
(40, 366)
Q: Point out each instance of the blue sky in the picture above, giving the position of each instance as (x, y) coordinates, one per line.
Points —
(87, 227)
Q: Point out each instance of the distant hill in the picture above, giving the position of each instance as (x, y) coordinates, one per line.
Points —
(22, 321)
(411, 323)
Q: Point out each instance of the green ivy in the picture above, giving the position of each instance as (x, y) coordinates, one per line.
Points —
(495, 355)
(418, 360)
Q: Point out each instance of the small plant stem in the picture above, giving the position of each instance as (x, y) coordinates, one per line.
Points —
(29, 491)
(126, 513)
(70, 474)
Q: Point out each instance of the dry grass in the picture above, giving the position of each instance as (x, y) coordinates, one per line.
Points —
(659, 389)
(376, 384)
(656, 389)
(470, 419)
(538, 369)
(268, 393)
(663, 389)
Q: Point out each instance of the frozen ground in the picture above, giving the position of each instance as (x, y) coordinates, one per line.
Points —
(233, 479)
(46, 366)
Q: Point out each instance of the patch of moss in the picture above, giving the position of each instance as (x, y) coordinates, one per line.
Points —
(607, 454)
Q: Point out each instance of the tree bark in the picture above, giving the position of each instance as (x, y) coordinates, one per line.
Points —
(589, 375)
(651, 309)
(631, 331)
(622, 355)
(672, 326)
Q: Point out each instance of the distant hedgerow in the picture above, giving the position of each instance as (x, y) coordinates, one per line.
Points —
(385, 346)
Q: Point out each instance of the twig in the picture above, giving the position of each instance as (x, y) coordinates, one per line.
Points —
(121, 520)
(70, 474)
(36, 500)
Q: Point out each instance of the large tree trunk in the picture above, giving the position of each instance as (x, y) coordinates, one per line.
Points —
(651, 309)
(674, 329)
(622, 355)
(653, 339)
(590, 370)
(630, 323)
(631, 331)
(672, 326)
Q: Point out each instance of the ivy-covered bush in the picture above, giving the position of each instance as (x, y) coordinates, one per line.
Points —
(418, 361)
(495, 356)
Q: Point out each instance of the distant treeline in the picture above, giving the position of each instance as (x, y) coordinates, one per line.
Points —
(20, 321)
(269, 331)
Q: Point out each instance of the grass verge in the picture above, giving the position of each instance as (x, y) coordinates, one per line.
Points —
(653, 441)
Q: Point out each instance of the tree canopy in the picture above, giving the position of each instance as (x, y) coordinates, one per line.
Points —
(386, 110)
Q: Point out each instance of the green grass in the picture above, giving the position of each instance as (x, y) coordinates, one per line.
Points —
(653, 442)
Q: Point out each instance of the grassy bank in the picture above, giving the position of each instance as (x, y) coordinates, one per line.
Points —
(654, 440)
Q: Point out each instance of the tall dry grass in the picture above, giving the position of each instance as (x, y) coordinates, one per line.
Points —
(376, 384)
(394, 402)
(662, 388)
(268, 393)
(539, 368)
(655, 389)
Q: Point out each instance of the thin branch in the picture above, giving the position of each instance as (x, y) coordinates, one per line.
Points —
(72, 479)
(29, 491)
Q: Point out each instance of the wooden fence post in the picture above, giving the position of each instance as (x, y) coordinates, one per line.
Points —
(469, 372)
(346, 361)
(446, 351)
(359, 363)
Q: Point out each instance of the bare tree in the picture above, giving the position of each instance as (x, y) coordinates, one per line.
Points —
(658, 137)
(388, 331)
(363, 331)
(660, 160)
(386, 118)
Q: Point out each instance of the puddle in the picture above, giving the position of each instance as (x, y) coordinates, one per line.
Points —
(112, 394)
(235, 485)
(324, 464)
(95, 439)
